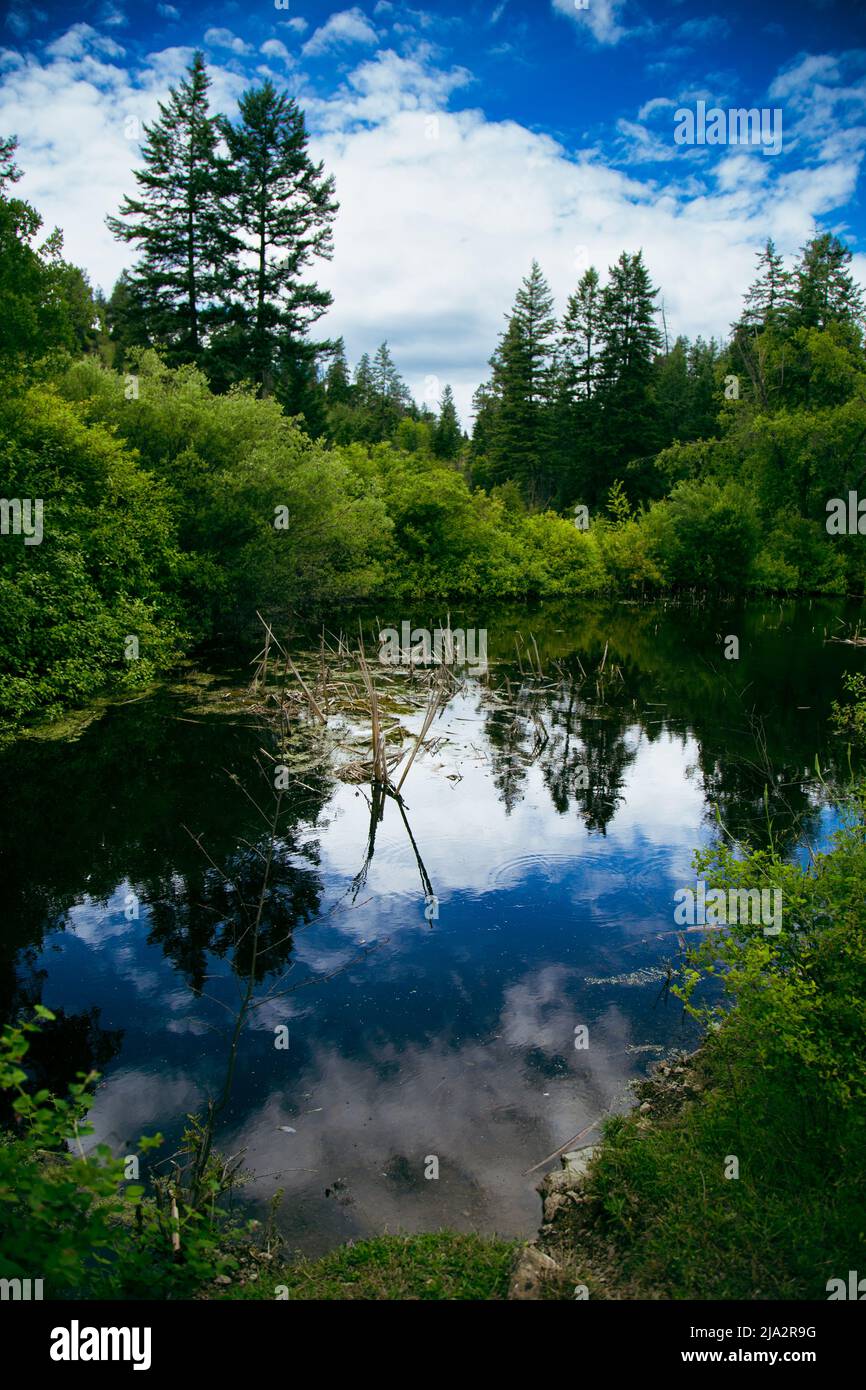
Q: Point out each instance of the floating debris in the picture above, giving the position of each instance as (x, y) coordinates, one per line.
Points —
(645, 976)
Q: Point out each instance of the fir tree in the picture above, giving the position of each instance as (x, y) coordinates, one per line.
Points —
(768, 301)
(338, 387)
(518, 428)
(825, 291)
(447, 436)
(178, 220)
(364, 388)
(580, 335)
(390, 396)
(283, 207)
(631, 339)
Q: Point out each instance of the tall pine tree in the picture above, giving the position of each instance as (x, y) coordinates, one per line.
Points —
(178, 220)
(518, 442)
(284, 207)
(630, 340)
(768, 300)
(447, 436)
(824, 290)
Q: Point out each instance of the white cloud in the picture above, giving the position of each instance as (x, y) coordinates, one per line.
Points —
(273, 48)
(442, 211)
(802, 75)
(168, 11)
(112, 16)
(224, 38)
(656, 104)
(297, 24)
(600, 17)
(346, 27)
(80, 39)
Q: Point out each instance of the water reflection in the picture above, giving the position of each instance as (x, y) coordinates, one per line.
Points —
(553, 815)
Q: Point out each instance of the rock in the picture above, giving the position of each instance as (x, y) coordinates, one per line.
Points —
(558, 1186)
(578, 1160)
(645, 1108)
(552, 1204)
(222, 1279)
(532, 1268)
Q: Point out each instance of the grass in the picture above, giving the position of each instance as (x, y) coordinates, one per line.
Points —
(442, 1265)
(661, 1219)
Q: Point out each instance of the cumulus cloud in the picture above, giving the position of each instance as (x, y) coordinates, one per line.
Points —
(273, 48)
(442, 209)
(168, 11)
(81, 39)
(346, 27)
(599, 17)
(800, 76)
(224, 38)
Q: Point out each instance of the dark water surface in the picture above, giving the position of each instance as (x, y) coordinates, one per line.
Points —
(554, 815)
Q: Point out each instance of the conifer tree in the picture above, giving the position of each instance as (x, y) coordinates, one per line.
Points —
(364, 387)
(178, 220)
(580, 335)
(824, 289)
(518, 427)
(768, 301)
(447, 436)
(631, 339)
(390, 396)
(575, 413)
(338, 387)
(283, 208)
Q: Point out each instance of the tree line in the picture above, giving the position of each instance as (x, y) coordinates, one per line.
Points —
(571, 408)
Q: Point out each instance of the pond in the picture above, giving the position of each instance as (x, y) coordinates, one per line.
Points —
(453, 987)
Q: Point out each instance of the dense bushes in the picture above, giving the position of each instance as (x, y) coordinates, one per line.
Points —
(171, 514)
(107, 566)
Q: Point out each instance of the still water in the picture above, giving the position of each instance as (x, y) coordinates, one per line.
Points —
(553, 813)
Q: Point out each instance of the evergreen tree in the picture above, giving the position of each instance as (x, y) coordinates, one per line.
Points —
(579, 338)
(338, 387)
(518, 428)
(575, 414)
(824, 289)
(364, 388)
(178, 220)
(447, 436)
(768, 301)
(390, 396)
(283, 207)
(705, 392)
(126, 317)
(631, 339)
(9, 171)
(671, 394)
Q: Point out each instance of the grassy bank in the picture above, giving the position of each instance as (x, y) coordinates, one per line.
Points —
(441, 1265)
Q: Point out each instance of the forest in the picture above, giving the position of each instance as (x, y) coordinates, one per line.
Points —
(198, 453)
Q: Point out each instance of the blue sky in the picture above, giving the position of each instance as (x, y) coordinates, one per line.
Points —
(468, 138)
